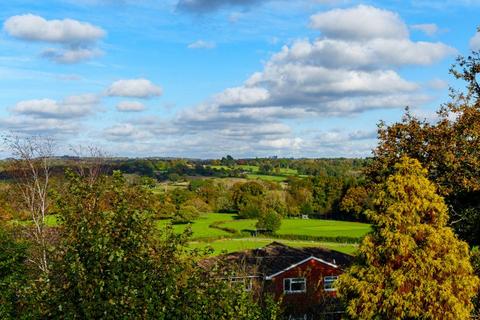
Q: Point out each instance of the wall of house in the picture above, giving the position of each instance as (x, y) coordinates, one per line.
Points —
(315, 295)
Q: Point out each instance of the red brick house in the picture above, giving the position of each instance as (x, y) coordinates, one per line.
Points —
(303, 278)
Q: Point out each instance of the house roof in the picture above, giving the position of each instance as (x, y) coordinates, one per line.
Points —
(276, 258)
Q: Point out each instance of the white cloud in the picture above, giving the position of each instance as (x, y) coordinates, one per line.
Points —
(349, 69)
(242, 95)
(34, 126)
(376, 53)
(130, 106)
(202, 44)
(120, 132)
(360, 23)
(136, 88)
(70, 107)
(282, 143)
(475, 42)
(345, 72)
(77, 39)
(35, 28)
(429, 29)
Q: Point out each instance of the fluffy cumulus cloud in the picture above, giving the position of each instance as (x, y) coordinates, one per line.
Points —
(51, 117)
(67, 31)
(70, 107)
(77, 40)
(130, 106)
(202, 44)
(352, 67)
(136, 88)
(361, 22)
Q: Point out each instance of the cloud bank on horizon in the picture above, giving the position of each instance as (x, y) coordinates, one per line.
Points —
(316, 91)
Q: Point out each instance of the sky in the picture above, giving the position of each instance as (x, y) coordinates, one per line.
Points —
(207, 78)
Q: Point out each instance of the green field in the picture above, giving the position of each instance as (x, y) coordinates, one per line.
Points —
(231, 245)
(222, 241)
(201, 227)
(281, 176)
(308, 227)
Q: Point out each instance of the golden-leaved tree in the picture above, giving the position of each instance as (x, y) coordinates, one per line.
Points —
(411, 266)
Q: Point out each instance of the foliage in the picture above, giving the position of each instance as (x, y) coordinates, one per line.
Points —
(106, 263)
(243, 193)
(412, 266)
(449, 149)
(187, 213)
(476, 266)
(12, 273)
(270, 220)
(356, 201)
(110, 266)
(253, 208)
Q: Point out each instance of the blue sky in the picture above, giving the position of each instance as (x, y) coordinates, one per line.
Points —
(205, 78)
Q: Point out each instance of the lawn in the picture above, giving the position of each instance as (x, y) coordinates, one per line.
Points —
(201, 226)
(231, 245)
(309, 227)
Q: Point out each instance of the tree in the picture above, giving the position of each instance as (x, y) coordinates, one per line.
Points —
(186, 213)
(13, 256)
(355, 201)
(32, 170)
(228, 161)
(476, 266)
(112, 266)
(269, 220)
(412, 266)
(245, 193)
(449, 149)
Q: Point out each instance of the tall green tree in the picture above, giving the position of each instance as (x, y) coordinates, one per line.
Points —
(412, 266)
(449, 149)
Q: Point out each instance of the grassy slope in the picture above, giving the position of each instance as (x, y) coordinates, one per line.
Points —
(308, 227)
(201, 226)
(328, 228)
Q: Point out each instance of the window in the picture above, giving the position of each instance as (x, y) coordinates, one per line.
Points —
(329, 283)
(294, 285)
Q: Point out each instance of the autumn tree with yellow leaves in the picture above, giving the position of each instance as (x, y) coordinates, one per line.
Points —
(411, 266)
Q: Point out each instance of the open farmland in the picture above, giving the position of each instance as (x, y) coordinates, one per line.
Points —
(224, 232)
(201, 227)
(308, 227)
